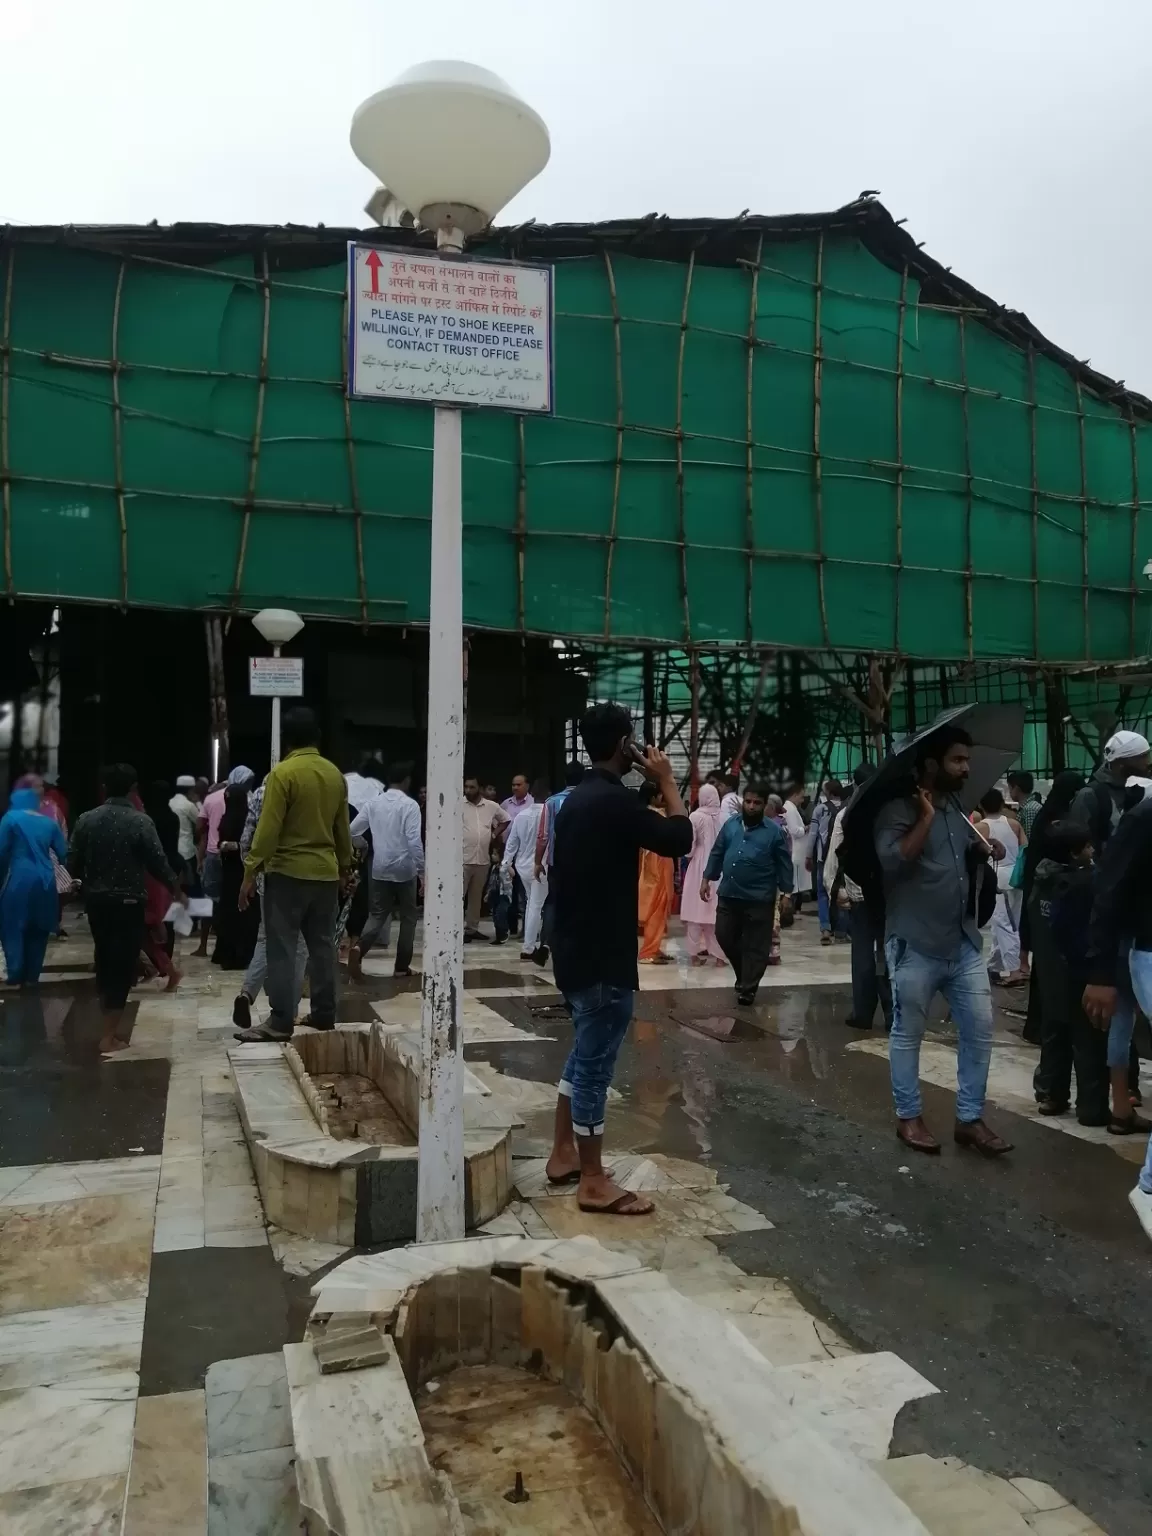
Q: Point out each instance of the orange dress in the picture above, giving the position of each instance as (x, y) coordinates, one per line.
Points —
(657, 889)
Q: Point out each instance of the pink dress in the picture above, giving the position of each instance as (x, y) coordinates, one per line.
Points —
(700, 916)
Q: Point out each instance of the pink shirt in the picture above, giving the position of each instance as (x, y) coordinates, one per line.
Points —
(210, 813)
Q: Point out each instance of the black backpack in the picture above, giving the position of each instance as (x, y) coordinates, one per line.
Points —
(859, 860)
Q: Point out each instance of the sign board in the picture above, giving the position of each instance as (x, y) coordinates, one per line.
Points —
(274, 677)
(449, 330)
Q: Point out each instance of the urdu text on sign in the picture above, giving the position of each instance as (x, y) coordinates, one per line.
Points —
(271, 677)
(449, 330)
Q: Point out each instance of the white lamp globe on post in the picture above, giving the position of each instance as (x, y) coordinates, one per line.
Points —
(454, 144)
(277, 626)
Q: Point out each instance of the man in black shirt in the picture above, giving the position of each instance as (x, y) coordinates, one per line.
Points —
(113, 848)
(600, 831)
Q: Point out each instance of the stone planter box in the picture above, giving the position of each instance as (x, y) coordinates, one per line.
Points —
(407, 1416)
(347, 1190)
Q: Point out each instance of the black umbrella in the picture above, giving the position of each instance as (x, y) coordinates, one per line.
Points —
(997, 732)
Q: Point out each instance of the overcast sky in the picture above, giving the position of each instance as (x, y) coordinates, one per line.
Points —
(1013, 136)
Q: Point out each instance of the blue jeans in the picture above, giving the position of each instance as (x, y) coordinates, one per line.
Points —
(963, 983)
(600, 1016)
(1140, 969)
(1124, 1019)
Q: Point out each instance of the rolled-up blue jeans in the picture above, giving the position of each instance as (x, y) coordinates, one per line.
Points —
(600, 1018)
(1140, 969)
(962, 981)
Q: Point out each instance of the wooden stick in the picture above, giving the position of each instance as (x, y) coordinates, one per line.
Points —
(254, 452)
(1134, 452)
(681, 532)
(817, 461)
(118, 437)
(844, 691)
(1035, 503)
(753, 711)
(968, 492)
(619, 463)
(901, 315)
(749, 488)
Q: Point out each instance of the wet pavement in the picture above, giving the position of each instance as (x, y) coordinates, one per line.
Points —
(1022, 1288)
(1018, 1288)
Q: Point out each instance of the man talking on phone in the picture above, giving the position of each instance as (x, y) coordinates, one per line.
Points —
(928, 851)
(599, 832)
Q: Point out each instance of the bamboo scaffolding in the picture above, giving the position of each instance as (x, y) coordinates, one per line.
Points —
(817, 458)
(1087, 612)
(1135, 519)
(1035, 503)
(354, 482)
(118, 437)
(521, 523)
(681, 529)
(5, 413)
(618, 470)
(901, 318)
(750, 461)
(254, 452)
(968, 626)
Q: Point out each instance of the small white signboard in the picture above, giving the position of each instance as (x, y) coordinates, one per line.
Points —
(271, 677)
(449, 330)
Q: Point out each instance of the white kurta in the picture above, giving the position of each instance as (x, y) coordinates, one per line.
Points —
(520, 855)
(799, 833)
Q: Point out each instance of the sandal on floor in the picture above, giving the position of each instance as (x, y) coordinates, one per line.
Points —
(1132, 1125)
(623, 1205)
(569, 1178)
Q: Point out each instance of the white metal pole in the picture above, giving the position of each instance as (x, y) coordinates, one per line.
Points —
(440, 1183)
(275, 720)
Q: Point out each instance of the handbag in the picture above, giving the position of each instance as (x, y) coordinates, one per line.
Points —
(64, 882)
(1016, 878)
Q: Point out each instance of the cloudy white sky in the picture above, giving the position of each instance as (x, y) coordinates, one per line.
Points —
(1013, 136)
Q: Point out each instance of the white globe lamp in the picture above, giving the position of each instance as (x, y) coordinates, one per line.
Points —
(278, 625)
(453, 143)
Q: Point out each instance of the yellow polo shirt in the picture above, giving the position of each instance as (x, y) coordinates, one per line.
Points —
(303, 826)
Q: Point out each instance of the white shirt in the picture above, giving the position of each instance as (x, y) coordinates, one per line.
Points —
(731, 805)
(188, 814)
(393, 818)
(361, 790)
(520, 849)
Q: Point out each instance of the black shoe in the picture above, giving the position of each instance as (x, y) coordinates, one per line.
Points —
(854, 1023)
(312, 1024)
(1052, 1106)
(242, 1012)
(745, 999)
(498, 940)
(540, 954)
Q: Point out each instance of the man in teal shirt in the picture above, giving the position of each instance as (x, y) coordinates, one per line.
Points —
(753, 863)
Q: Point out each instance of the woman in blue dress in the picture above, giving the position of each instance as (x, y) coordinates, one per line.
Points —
(28, 904)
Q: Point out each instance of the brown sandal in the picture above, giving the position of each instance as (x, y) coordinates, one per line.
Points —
(623, 1205)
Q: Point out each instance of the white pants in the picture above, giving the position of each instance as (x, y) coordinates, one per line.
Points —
(1005, 929)
(702, 939)
(534, 915)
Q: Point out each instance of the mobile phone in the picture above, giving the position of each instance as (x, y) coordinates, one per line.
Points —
(636, 754)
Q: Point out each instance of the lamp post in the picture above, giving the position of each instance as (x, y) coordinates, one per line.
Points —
(277, 626)
(453, 144)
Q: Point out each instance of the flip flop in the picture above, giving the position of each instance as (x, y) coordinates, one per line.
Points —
(572, 1177)
(621, 1206)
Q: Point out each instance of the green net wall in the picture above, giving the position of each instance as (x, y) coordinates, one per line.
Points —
(794, 450)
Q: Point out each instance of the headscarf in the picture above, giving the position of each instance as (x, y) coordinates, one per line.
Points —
(708, 818)
(26, 799)
(241, 776)
(235, 813)
(1065, 787)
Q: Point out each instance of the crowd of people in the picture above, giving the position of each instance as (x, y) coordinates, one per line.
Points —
(588, 875)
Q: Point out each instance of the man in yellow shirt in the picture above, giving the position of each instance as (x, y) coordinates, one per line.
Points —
(303, 846)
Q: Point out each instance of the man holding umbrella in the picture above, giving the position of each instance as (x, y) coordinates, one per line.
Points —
(931, 862)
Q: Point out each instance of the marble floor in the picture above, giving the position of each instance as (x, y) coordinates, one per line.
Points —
(144, 1301)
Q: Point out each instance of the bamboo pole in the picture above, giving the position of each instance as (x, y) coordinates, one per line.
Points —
(681, 530)
(694, 726)
(817, 460)
(750, 463)
(901, 318)
(254, 451)
(619, 459)
(118, 437)
(968, 630)
(354, 480)
(5, 414)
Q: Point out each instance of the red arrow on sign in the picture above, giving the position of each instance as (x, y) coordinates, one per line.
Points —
(373, 263)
